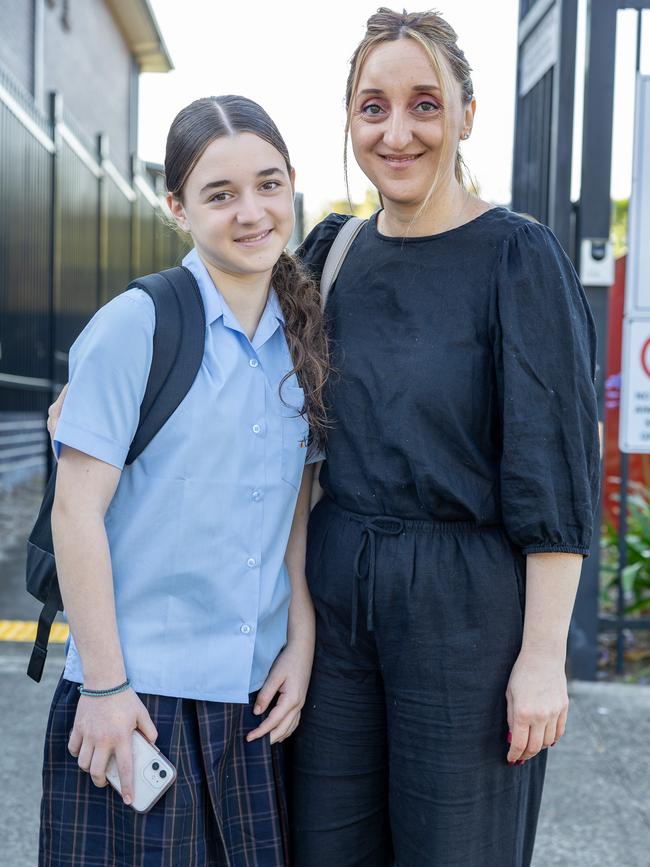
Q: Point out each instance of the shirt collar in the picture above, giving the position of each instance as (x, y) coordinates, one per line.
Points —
(213, 301)
(273, 305)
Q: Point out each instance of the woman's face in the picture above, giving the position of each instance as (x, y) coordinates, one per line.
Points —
(237, 203)
(396, 125)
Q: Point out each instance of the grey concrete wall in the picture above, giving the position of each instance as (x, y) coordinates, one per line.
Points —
(16, 40)
(90, 64)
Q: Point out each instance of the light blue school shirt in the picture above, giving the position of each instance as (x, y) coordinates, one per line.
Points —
(199, 523)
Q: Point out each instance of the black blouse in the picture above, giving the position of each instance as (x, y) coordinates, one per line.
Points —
(464, 383)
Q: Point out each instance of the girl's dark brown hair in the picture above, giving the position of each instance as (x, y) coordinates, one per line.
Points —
(439, 40)
(192, 130)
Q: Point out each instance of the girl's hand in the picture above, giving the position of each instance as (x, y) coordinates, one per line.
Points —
(54, 411)
(104, 727)
(289, 678)
(538, 703)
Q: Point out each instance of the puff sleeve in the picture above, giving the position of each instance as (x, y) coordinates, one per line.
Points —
(314, 249)
(545, 358)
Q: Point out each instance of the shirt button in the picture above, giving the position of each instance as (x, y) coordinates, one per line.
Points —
(256, 496)
(253, 362)
(257, 429)
(245, 628)
(251, 562)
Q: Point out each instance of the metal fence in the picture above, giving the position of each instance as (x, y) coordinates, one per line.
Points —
(532, 156)
(73, 232)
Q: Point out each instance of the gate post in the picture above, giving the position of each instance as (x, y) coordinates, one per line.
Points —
(594, 223)
(56, 115)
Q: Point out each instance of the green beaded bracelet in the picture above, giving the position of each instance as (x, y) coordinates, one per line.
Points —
(100, 693)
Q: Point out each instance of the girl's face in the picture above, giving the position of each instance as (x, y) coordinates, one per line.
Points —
(396, 125)
(237, 203)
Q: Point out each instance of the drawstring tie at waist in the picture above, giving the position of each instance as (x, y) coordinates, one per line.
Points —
(384, 526)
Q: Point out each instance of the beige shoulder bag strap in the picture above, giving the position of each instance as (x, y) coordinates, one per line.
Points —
(336, 256)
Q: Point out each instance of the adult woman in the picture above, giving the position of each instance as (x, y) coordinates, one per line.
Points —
(186, 622)
(460, 478)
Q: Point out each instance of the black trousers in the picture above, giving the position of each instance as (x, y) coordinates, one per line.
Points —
(400, 757)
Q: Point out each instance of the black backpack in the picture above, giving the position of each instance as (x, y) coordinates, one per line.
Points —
(178, 344)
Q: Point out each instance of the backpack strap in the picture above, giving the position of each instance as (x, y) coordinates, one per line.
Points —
(178, 346)
(40, 569)
(336, 256)
(45, 621)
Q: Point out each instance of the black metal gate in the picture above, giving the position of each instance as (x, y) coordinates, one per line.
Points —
(541, 180)
(73, 231)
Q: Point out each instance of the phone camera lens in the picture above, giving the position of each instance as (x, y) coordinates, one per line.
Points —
(163, 774)
(155, 766)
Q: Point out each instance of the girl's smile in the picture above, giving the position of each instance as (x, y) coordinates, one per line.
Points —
(254, 240)
(238, 205)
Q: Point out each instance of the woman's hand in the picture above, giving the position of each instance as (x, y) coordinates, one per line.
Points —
(289, 679)
(54, 411)
(104, 727)
(538, 703)
(537, 697)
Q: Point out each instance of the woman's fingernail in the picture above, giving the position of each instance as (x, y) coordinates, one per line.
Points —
(509, 737)
(511, 763)
(127, 800)
(257, 709)
(553, 744)
(521, 762)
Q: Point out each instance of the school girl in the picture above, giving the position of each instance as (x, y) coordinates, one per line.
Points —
(460, 482)
(187, 620)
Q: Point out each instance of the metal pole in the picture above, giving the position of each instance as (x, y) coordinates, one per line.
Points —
(56, 114)
(594, 222)
(622, 563)
(102, 223)
(559, 185)
(625, 467)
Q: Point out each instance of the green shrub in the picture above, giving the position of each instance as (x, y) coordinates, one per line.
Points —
(636, 574)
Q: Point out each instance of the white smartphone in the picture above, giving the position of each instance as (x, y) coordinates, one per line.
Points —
(153, 774)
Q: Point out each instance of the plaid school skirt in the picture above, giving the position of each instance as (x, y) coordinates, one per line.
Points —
(227, 807)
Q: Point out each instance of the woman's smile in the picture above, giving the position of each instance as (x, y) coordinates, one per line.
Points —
(400, 161)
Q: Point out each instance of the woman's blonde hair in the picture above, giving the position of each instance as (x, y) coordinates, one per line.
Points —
(439, 40)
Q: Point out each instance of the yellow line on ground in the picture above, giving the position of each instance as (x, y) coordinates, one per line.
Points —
(25, 630)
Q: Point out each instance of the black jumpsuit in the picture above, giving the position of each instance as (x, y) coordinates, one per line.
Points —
(464, 438)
